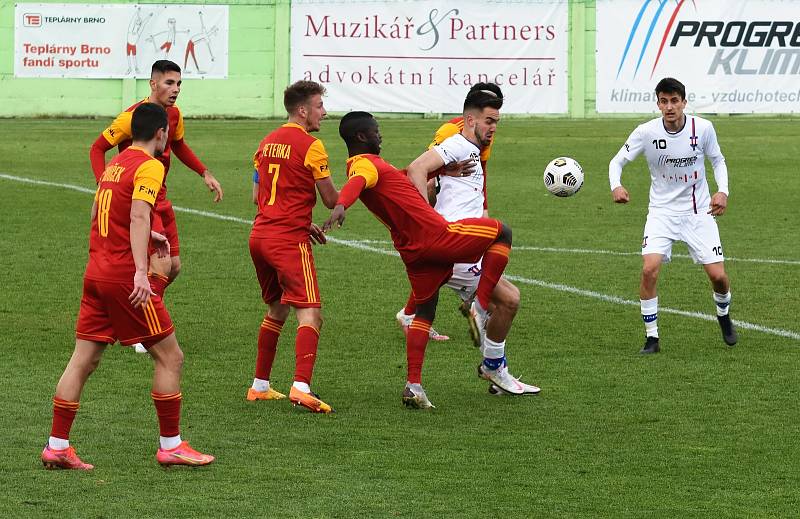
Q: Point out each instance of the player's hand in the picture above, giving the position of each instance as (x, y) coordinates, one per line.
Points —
(316, 234)
(160, 243)
(141, 290)
(213, 185)
(463, 168)
(337, 217)
(719, 202)
(620, 195)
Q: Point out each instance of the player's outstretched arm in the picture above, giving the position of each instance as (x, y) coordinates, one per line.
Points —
(187, 156)
(618, 192)
(418, 170)
(347, 197)
(327, 191)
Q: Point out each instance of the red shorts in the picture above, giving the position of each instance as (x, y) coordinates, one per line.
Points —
(464, 241)
(130, 50)
(286, 272)
(164, 223)
(107, 316)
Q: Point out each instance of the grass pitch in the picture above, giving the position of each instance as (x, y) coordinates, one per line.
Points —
(699, 430)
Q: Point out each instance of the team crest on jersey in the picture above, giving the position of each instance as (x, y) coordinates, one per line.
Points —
(693, 137)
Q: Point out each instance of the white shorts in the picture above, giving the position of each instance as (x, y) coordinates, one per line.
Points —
(698, 231)
(465, 279)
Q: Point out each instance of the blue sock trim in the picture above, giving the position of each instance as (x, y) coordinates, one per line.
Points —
(649, 318)
(494, 364)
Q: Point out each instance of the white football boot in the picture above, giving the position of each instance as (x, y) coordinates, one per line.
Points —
(414, 397)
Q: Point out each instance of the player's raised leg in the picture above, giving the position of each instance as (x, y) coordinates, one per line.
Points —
(722, 301)
(167, 397)
(58, 454)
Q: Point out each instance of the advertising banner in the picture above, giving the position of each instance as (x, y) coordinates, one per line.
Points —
(422, 56)
(119, 41)
(733, 57)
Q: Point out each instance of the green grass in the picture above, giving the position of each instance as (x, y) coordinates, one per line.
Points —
(697, 431)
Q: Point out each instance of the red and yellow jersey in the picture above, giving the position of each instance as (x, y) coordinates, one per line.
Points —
(119, 133)
(289, 162)
(452, 127)
(131, 175)
(396, 202)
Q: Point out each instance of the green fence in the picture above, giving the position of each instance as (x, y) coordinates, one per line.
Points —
(258, 68)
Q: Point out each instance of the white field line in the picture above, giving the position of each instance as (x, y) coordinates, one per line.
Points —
(365, 246)
(609, 253)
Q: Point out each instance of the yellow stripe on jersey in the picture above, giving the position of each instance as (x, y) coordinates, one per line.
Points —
(119, 130)
(317, 160)
(147, 181)
(363, 167)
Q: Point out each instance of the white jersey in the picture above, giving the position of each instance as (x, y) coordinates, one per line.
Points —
(677, 165)
(460, 197)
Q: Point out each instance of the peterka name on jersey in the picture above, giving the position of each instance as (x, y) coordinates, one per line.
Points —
(277, 150)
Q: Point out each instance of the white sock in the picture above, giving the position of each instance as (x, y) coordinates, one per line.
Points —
(650, 316)
(58, 443)
(169, 442)
(260, 385)
(301, 386)
(723, 303)
(493, 352)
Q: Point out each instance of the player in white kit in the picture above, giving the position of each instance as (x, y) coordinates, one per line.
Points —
(681, 208)
(463, 197)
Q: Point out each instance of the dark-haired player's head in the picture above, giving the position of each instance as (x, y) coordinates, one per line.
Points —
(303, 103)
(482, 111)
(671, 100)
(149, 122)
(361, 133)
(165, 82)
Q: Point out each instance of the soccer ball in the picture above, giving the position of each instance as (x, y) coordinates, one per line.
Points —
(563, 176)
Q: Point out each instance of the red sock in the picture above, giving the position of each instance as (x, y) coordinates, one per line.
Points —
(305, 349)
(64, 413)
(495, 260)
(416, 341)
(411, 305)
(168, 409)
(158, 283)
(268, 336)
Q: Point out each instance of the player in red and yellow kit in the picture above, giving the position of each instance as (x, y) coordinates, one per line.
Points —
(427, 243)
(465, 276)
(290, 166)
(165, 85)
(118, 303)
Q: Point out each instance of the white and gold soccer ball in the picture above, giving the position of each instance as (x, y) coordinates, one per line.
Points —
(563, 176)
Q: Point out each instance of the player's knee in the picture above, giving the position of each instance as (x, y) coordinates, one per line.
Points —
(505, 234)
(508, 298)
(650, 274)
